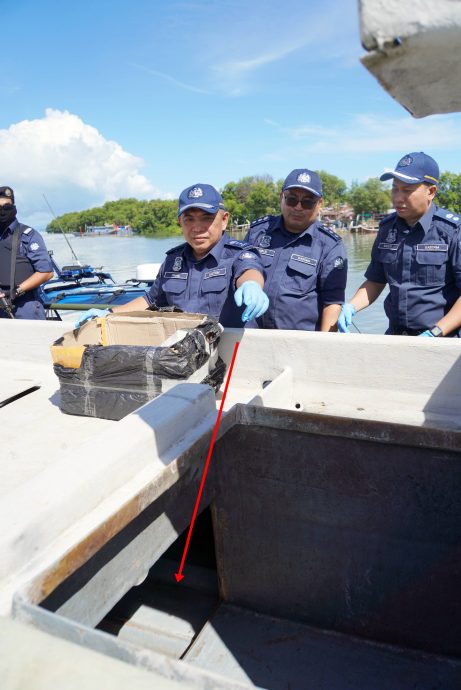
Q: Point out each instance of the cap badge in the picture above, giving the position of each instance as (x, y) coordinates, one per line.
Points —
(391, 236)
(8, 192)
(177, 264)
(195, 193)
(304, 177)
(265, 241)
(403, 162)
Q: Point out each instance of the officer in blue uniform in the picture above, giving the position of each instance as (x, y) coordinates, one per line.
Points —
(23, 256)
(305, 262)
(417, 252)
(201, 274)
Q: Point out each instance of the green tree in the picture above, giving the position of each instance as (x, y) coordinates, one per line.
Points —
(449, 192)
(371, 196)
(251, 197)
(334, 189)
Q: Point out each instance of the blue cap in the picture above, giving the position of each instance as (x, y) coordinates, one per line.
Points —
(414, 168)
(7, 193)
(304, 179)
(202, 196)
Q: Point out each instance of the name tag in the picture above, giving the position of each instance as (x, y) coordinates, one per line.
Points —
(215, 272)
(386, 245)
(178, 276)
(304, 259)
(432, 247)
(267, 252)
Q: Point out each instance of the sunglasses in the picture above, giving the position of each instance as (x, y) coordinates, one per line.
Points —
(293, 200)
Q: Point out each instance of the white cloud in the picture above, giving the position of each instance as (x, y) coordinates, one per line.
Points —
(70, 162)
(366, 134)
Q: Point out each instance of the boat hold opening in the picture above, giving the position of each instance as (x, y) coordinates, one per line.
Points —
(337, 562)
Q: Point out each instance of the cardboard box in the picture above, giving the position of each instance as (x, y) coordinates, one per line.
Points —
(111, 366)
(132, 328)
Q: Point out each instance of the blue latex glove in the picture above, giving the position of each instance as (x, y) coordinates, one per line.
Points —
(348, 312)
(253, 296)
(427, 334)
(90, 314)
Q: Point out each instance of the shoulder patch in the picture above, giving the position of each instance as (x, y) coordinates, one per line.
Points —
(237, 243)
(258, 221)
(450, 216)
(330, 233)
(179, 248)
(388, 219)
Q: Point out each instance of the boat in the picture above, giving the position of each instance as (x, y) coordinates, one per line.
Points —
(80, 287)
(328, 531)
(100, 230)
(108, 230)
(327, 556)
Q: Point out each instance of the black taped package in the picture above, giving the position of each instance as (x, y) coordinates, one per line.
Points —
(114, 380)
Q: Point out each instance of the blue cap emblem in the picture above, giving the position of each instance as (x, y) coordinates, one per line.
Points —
(403, 162)
(304, 178)
(195, 193)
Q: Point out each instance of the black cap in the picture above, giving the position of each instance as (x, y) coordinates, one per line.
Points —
(7, 193)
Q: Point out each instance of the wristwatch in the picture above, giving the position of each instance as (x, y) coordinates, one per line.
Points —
(436, 331)
(19, 291)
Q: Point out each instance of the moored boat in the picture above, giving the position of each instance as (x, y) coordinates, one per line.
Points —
(78, 287)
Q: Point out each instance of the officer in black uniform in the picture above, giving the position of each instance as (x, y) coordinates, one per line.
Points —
(210, 273)
(24, 264)
(305, 262)
(417, 252)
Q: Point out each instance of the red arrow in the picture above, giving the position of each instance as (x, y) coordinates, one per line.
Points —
(179, 576)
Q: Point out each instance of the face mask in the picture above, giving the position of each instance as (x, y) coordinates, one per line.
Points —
(7, 215)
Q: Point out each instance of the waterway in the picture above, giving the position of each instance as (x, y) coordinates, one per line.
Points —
(121, 255)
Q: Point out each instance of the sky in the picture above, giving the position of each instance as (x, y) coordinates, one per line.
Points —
(105, 99)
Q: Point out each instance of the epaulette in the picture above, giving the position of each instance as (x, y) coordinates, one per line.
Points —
(237, 243)
(390, 217)
(27, 231)
(178, 248)
(329, 232)
(258, 221)
(452, 218)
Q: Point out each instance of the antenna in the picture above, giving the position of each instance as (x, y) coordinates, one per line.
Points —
(67, 240)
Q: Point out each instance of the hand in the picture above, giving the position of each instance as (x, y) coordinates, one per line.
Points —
(427, 334)
(348, 312)
(253, 296)
(90, 314)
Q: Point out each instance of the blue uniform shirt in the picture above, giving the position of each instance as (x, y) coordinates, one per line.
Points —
(33, 248)
(206, 285)
(304, 272)
(422, 266)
